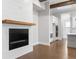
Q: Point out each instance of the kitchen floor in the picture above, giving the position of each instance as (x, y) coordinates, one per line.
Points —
(57, 50)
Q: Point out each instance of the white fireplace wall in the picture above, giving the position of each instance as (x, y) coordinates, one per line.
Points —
(17, 9)
(20, 10)
(35, 28)
(13, 54)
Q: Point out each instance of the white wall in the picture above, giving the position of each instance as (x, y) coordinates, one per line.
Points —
(43, 25)
(65, 17)
(51, 27)
(73, 22)
(60, 35)
(35, 28)
(41, 18)
(20, 10)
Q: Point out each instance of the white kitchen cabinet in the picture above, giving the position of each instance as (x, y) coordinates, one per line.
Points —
(72, 40)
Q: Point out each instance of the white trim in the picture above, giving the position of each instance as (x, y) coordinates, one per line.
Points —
(30, 50)
(47, 44)
(51, 40)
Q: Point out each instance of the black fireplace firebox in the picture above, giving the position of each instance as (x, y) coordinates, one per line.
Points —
(18, 38)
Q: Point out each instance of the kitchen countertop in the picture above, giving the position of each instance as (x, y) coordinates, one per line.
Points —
(71, 33)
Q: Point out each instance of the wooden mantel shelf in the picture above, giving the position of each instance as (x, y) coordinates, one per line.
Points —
(7, 21)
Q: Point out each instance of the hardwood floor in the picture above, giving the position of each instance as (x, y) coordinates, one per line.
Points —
(72, 53)
(57, 50)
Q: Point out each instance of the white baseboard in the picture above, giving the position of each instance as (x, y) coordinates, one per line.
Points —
(58, 38)
(47, 44)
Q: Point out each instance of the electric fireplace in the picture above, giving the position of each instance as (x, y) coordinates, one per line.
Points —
(18, 38)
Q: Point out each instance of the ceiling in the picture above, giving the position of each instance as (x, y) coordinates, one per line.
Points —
(63, 9)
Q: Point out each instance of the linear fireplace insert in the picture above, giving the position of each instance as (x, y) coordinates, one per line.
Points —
(18, 38)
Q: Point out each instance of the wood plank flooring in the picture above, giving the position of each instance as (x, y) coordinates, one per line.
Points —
(72, 53)
(57, 50)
